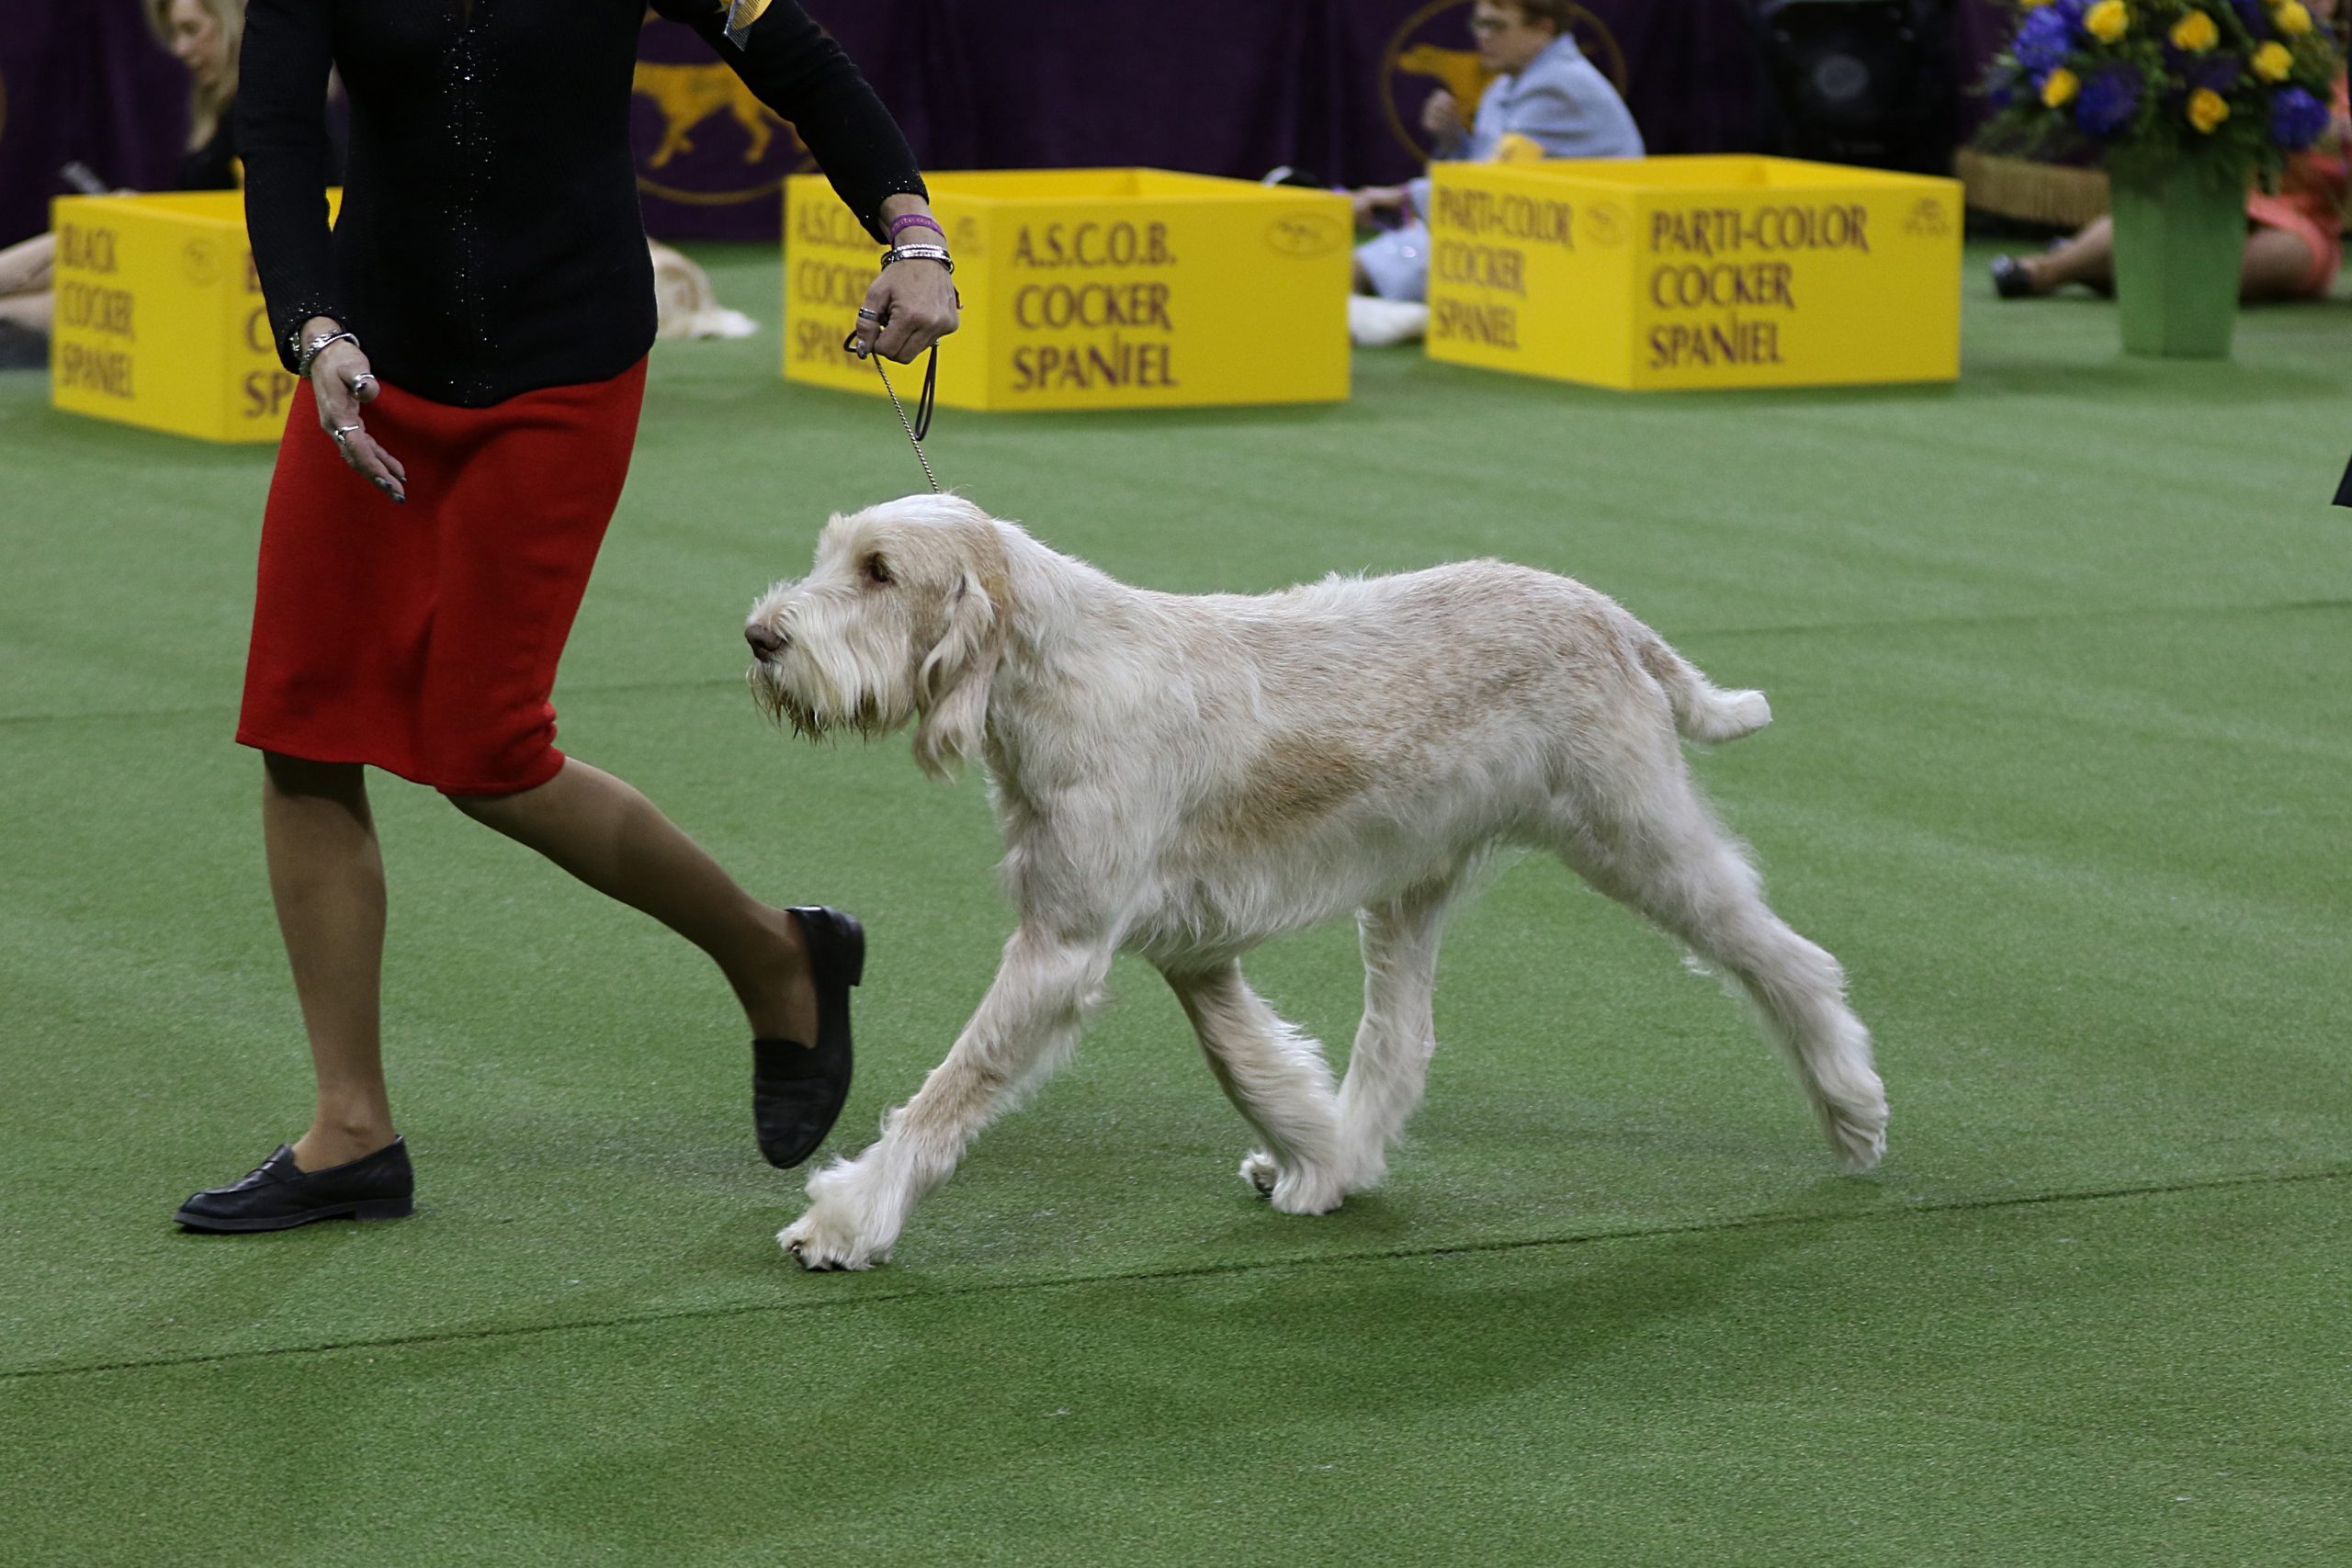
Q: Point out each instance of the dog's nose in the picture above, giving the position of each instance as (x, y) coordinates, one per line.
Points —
(765, 642)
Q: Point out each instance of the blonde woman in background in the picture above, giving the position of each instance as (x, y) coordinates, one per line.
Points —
(203, 35)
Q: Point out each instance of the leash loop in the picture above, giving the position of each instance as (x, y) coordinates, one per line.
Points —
(918, 426)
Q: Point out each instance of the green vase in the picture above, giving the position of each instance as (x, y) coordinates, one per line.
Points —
(2179, 246)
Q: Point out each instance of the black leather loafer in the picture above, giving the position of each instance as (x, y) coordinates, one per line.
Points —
(279, 1194)
(797, 1090)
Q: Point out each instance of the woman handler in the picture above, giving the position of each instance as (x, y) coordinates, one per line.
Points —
(472, 340)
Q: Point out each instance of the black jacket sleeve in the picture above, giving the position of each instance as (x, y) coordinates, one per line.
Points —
(794, 66)
(282, 134)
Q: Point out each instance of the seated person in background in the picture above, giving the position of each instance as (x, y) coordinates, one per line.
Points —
(1545, 92)
(2294, 241)
(203, 35)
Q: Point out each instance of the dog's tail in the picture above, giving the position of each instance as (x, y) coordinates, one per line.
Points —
(1702, 711)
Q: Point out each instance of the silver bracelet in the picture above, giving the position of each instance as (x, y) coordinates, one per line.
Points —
(317, 345)
(918, 253)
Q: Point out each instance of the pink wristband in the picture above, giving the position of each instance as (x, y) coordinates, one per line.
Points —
(915, 220)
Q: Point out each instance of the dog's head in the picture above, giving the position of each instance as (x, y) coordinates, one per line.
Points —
(902, 616)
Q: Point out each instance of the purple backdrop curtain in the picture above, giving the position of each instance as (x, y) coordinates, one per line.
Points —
(1218, 86)
(1981, 29)
(82, 79)
(1213, 87)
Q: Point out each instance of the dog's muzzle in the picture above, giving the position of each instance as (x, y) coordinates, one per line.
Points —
(766, 642)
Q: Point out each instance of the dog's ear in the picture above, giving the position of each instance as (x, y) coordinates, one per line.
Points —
(952, 686)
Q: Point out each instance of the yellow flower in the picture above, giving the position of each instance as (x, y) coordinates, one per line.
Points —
(2058, 88)
(2292, 17)
(2108, 20)
(2273, 60)
(2207, 109)
(2195, 33)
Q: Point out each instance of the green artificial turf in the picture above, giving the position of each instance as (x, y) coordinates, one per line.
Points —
(2057, 660)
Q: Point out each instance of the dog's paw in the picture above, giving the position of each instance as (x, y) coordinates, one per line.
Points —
(1303, 1190)
(818, 1245)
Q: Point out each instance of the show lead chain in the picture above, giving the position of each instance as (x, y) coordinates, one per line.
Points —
(918, 426)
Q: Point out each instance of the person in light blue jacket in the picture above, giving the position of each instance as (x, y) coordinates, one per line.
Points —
(1546, 90)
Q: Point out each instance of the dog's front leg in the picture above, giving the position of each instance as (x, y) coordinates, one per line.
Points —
(1029, 1020)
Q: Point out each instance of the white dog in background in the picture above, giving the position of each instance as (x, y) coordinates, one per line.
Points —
(1185, 777)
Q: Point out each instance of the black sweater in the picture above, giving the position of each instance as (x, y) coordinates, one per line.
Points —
(490, 240)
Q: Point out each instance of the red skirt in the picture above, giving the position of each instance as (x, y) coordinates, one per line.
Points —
(423, 639)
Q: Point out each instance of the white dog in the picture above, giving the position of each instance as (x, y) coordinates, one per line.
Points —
(1185, 777)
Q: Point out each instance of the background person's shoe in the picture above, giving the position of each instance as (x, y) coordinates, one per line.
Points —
(278, 1194)
(21, 348)
(2011, 280)
(797, 1090)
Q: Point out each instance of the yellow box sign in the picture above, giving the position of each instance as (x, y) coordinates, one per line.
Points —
(1695, 272)
(1088, 288)
(159, 320)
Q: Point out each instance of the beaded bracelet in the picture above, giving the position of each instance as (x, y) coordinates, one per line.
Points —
(918, 253)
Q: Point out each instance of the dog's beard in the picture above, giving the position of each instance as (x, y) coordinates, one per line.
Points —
(784, 704)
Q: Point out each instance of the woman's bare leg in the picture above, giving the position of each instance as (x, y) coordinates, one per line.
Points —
(2277, 262)
(2278, 265)
(2087, 257)
(327, 877)
(610, 837)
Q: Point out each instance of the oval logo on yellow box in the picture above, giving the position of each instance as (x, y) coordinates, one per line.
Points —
(1606, 223)
(201, 263)
(1306, 234)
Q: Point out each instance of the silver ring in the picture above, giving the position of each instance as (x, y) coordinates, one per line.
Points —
(343, 431)
(865, 315)
(363, 376)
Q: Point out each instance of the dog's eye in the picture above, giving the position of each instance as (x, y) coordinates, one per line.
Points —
(876, 570)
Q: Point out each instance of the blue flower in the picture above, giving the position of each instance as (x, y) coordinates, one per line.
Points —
(2043, 39)
(2256, 14)
(2214, 72)
(2108, 100)
(2296, 118)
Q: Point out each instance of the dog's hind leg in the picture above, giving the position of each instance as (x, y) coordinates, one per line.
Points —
(1659, 850)
(1389, 1065)
(1278, 1079)
(1027, 1022)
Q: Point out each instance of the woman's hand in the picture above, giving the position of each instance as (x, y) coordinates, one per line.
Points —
(340, 382)
(909, 307)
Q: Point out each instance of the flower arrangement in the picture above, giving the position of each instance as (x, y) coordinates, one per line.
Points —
(2238, 84)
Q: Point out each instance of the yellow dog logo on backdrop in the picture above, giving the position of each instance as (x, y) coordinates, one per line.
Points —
(687, 98)
(689, 94)
(1458, 71)
(1431, 46)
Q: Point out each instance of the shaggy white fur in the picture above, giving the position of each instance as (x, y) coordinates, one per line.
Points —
(1185, 777)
